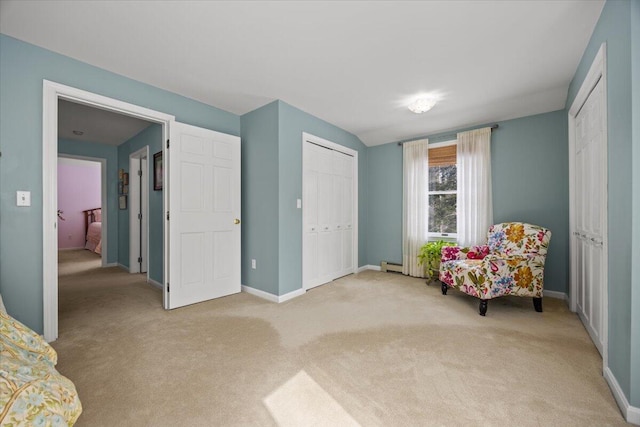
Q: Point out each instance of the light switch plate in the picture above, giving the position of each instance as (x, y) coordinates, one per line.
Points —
(299, 204)
(23, 198)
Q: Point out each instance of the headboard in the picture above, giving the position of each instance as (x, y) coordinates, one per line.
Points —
(91, 215)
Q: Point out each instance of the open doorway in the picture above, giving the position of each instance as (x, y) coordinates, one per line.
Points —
(103, 197)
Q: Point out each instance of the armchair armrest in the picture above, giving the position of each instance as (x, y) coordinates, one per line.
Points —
(455, 253)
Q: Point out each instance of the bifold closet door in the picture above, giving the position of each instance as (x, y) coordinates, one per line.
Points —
(327, 215)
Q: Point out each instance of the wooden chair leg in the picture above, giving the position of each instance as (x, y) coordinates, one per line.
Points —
(537, 304)
(483, 307)
(444, 288)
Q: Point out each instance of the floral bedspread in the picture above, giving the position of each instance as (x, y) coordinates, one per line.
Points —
(32, 392)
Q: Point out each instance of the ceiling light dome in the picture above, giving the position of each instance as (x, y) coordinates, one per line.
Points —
(422, 105)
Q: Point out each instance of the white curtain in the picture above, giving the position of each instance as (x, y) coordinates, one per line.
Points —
(415, 201)
(475, 211)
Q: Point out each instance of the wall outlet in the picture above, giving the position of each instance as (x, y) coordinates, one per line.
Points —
(253, 264)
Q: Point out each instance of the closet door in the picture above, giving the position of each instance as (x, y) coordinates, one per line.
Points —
(590, 200)
(343, 167)
(328, 229)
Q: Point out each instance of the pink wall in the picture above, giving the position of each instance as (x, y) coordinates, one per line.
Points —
(79, 187)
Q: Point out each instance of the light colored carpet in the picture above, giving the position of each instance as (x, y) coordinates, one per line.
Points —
(370, 349)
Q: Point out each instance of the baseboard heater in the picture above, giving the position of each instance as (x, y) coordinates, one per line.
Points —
(390, 267)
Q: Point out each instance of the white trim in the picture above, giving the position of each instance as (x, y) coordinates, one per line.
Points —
(443, 143)
(271, 297)
(70, 249)
(307, 137)
(368, 267)
(555, 294)
(154, 283)
(134, 193)
(630, 413)
(597, 72)
(123, 267)
(51, 93)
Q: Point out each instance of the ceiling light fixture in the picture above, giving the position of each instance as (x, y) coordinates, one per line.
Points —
(422, 105)
(78, 132)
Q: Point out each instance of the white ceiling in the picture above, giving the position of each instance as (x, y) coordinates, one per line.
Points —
(104, 127)
(354, 64)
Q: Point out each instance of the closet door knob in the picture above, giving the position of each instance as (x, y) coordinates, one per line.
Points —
(236, 221)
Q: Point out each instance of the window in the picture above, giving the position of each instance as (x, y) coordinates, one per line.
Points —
(443, 190)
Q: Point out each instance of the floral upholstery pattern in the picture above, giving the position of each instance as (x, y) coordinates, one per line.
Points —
(512, 263)
(32, 392)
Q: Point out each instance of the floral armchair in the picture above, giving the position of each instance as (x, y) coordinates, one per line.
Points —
(511, 264)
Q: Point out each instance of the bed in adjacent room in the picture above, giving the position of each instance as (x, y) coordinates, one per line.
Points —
(93, 230)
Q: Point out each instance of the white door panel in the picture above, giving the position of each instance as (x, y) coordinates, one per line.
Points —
(589, 182)
(204, 203)
(328, 223)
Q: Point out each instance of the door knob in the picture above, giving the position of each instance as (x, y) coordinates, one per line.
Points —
(236, 221)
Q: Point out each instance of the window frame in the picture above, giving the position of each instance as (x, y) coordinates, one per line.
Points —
(447, 237)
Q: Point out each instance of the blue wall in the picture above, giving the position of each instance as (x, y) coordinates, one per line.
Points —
(110, 153)
(384, 226)
(152, 137)
(272, 183)
(529, 159)
(260, 198)
(22, 68)
(635, 275)
(292, 123)
(614, 28)
(619, 27)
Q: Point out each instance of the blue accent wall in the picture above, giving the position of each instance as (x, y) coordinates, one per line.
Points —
(23, 66)
(529, 159)
(614, 28)
(260, 198)
(151, 137)
(110, 153)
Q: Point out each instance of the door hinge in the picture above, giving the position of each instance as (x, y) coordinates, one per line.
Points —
(167, 143)
(167, 215)
(139, 173)
(167, 286)
(139, 259)
(139, 216)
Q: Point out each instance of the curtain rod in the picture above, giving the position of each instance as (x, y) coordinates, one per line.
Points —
(493, 127)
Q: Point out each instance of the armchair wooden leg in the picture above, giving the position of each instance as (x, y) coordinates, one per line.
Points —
(483, 307)
(444, 288)
(537, 304)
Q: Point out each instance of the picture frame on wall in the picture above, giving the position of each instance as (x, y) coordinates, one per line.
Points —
(122, 202)
(157, 171)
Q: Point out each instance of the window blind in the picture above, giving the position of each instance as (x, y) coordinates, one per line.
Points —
(442, 156)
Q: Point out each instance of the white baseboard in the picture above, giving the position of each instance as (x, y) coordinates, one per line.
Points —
(555, 294)
(125, 268)
(156, 284)
(368, 267)
(113, 264)
(271, 297)
(71, 249)
(630, 413)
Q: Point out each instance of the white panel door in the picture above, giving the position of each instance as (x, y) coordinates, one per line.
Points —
(328, 224)
(204, 215)
(590, 202)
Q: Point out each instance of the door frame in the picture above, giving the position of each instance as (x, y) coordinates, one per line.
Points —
(103, 199)
(307, 137)
(135, 193)
(51, 93)
(597, 72)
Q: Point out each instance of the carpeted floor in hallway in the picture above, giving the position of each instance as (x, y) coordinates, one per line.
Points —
(370, 349)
